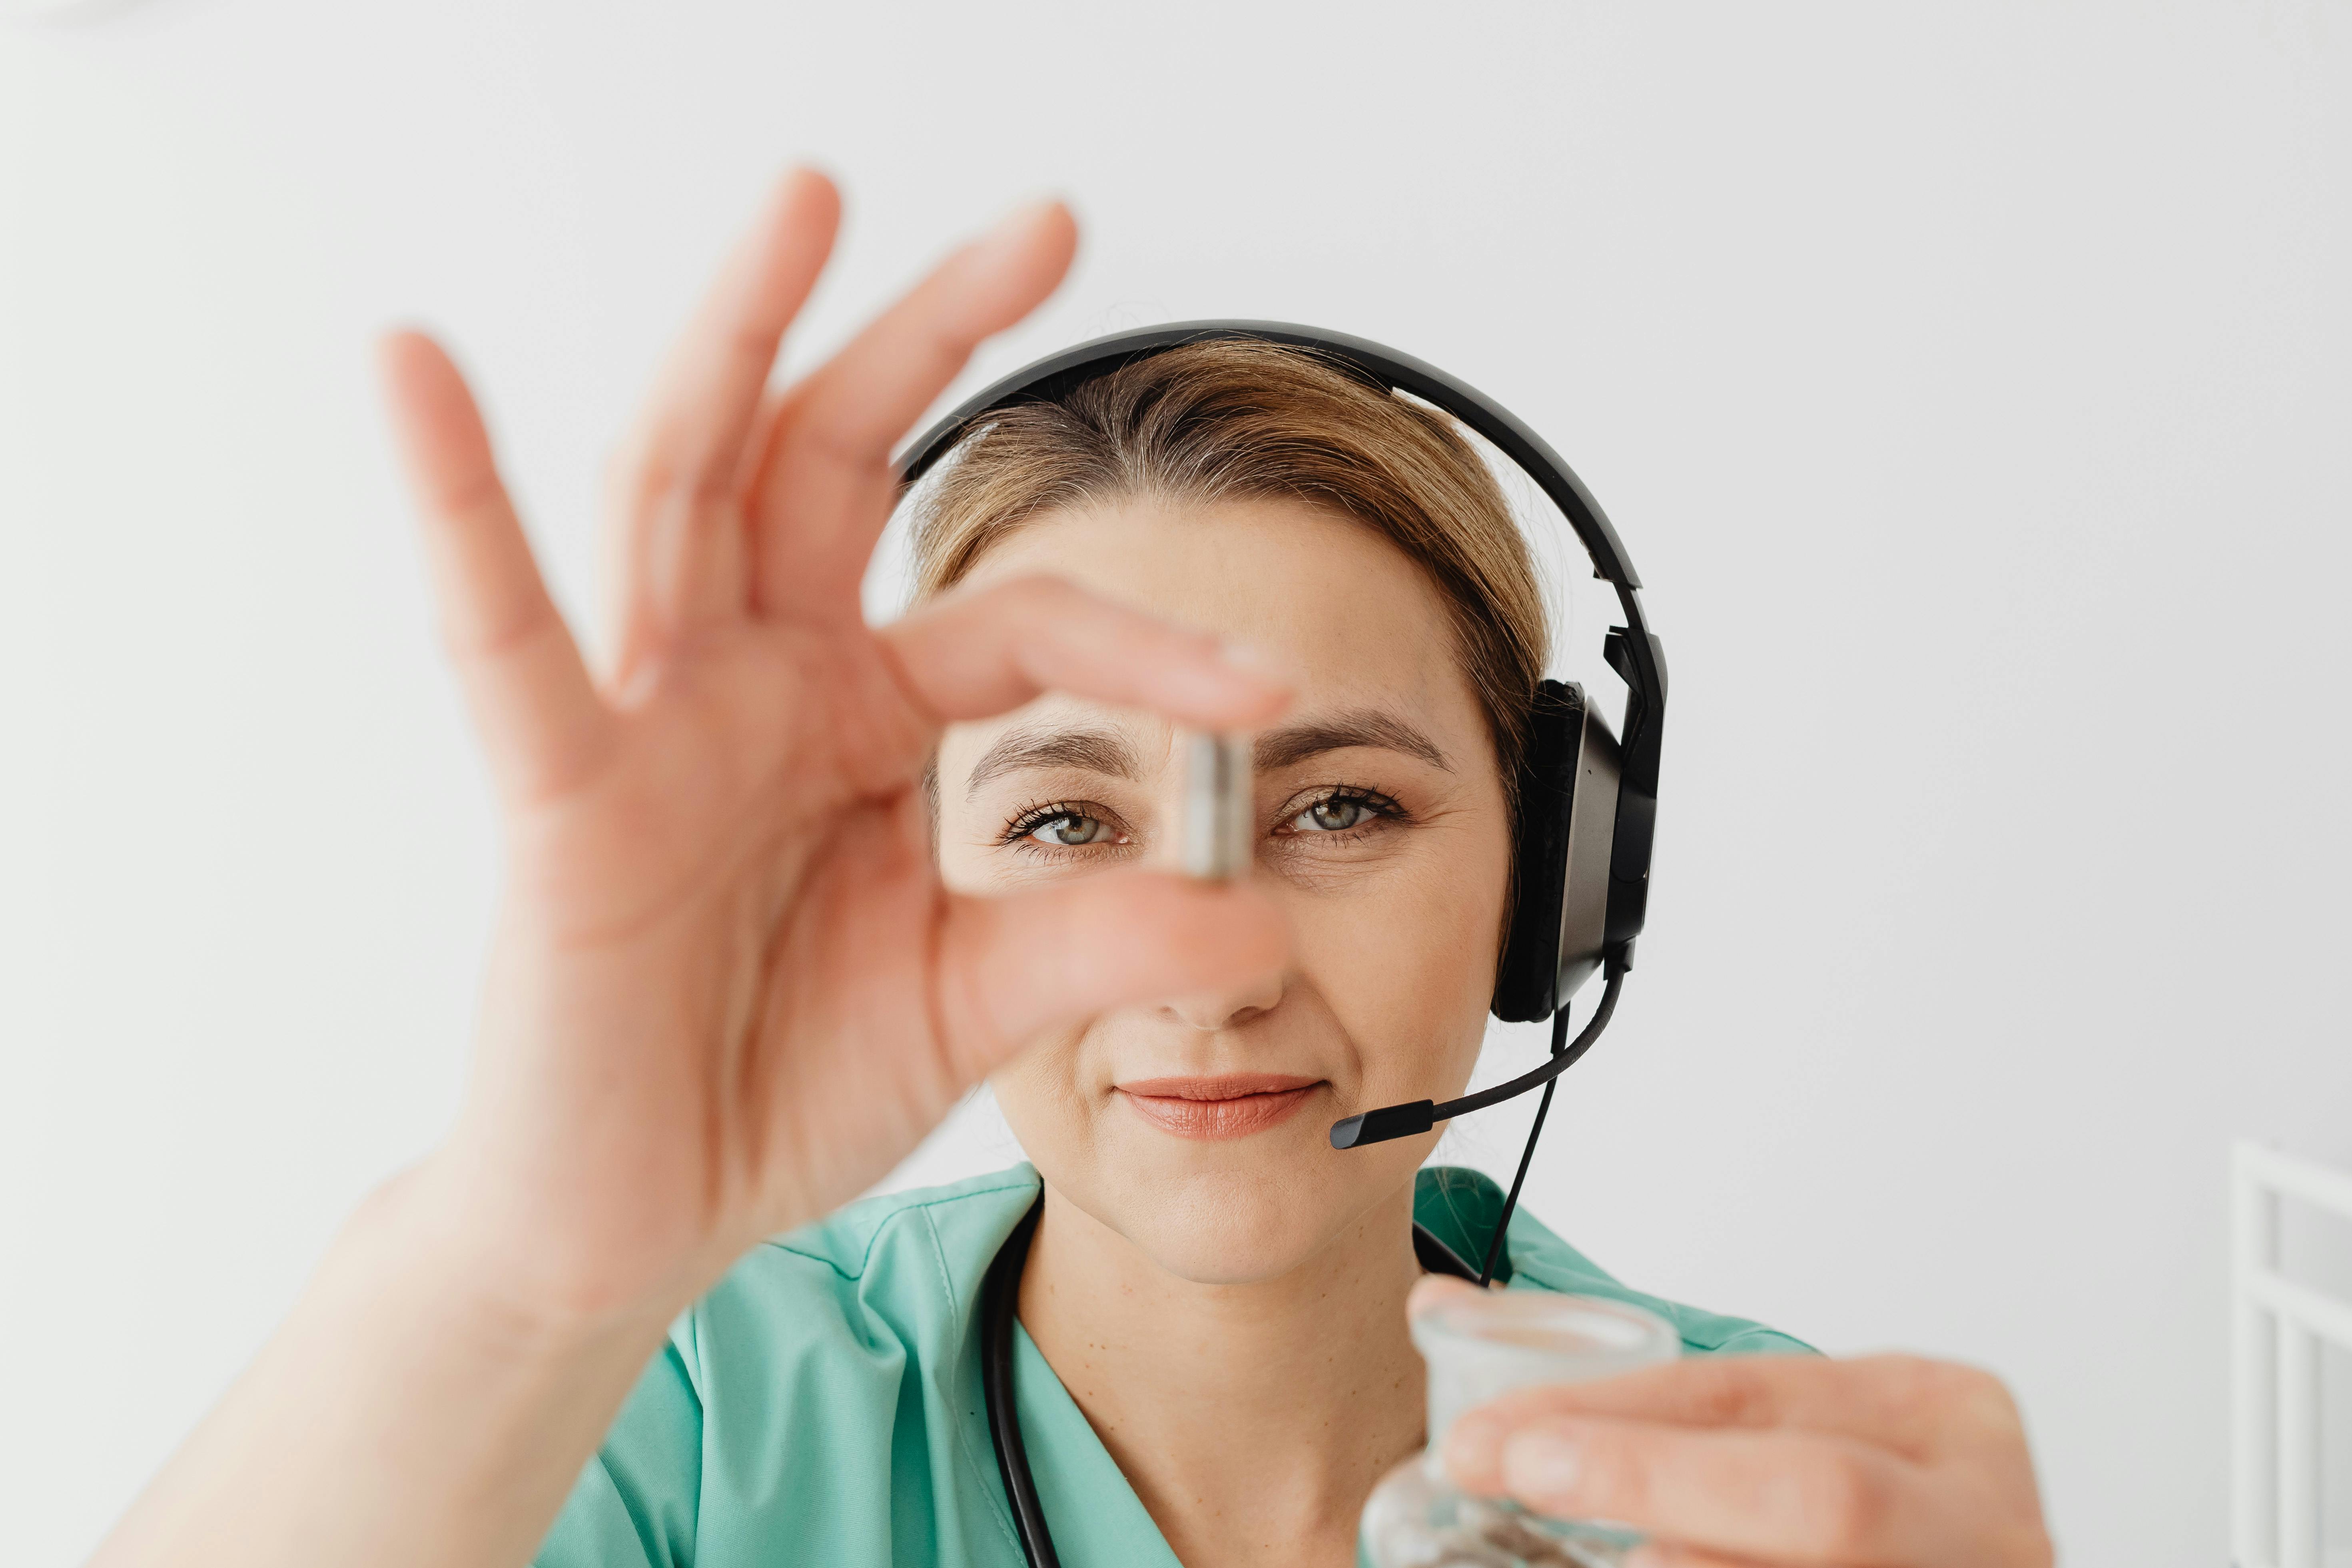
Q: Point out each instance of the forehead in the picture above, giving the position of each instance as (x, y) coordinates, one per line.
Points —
(1342, 610)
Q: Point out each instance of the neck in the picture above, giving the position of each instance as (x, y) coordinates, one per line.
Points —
(1251, 1419)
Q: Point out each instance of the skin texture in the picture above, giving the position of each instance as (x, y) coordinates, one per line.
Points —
(729, 988)
(1394, 920)
(1279, 1264)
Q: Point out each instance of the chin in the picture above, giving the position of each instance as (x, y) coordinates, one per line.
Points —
(1229, 1221)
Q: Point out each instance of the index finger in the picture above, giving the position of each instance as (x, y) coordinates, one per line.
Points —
(1782, 1496)
(985, 650)
(1909, 1403)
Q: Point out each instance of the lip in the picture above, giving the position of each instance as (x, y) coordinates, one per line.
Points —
(1234, 1105)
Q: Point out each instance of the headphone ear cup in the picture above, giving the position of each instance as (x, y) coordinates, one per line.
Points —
(1567, 822)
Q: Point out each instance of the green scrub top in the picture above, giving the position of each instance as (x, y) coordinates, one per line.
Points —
(822, 1404)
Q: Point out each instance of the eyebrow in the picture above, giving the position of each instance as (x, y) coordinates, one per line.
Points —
(1289, 743)
(1108, 751)
(1096, 750)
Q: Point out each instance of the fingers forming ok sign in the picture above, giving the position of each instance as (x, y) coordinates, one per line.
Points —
(728, 991)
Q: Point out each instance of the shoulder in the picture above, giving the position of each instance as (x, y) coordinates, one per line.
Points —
(1460, 1207)
(858, 1327)
(881, 1233)
(902, 1267)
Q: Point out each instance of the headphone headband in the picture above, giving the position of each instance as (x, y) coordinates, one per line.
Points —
(1049, 379)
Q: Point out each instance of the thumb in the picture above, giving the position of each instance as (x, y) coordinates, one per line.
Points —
(1008, 968)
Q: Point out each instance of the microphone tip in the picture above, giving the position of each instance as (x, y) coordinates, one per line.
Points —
(1380, 1126)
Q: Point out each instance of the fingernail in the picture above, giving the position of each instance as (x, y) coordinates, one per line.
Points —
(1474, 1449)
(1431, 1291)
(1542, 1464)
(1008, 229)
(1252, 659)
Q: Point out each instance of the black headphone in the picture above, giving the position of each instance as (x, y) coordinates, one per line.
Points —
(1588, 806)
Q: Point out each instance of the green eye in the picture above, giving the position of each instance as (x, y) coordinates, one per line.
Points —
(1071, 830)
(1331, 816)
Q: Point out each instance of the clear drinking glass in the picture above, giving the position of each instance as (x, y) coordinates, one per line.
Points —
(1477, 1348)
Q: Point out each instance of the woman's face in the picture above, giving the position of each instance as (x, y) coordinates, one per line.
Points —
(1198, 1128)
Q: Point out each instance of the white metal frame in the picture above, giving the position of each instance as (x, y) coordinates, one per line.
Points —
(2279, 1326)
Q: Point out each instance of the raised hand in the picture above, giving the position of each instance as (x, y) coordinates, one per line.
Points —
(727, 990)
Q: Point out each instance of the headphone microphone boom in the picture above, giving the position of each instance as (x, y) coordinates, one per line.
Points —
(1571, 792)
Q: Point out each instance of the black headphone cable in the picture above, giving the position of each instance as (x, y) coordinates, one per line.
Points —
(1564, 1055)
(999, 1297)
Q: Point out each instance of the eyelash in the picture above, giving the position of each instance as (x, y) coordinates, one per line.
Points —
(1030, 818)
(1382, 808)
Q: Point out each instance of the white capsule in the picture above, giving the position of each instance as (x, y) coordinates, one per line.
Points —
(1218, 837)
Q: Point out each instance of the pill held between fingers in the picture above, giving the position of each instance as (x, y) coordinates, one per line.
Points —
(1217, 838)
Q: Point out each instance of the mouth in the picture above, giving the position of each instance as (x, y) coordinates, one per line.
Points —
(1233, 1106)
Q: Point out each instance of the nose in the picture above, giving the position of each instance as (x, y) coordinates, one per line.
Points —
(1225, 1009)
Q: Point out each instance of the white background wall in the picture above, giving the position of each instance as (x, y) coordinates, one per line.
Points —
(1969, 382)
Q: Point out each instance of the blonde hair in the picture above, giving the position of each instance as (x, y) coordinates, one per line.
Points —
(1228, 419)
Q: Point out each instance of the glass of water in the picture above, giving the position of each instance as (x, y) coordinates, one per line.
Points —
(1477, 1348)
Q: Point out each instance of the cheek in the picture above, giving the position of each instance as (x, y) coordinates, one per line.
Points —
(966, 864)
(1038, 1093)
(1408, 964)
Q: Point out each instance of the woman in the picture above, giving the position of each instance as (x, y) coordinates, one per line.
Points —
(782, 887)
